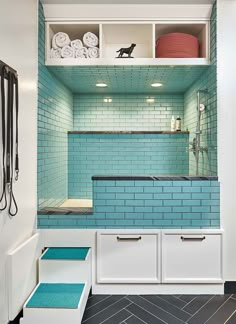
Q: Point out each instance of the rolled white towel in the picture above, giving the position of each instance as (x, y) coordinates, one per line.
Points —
(90, 40)
(67, 52)
(60, 40)
(76, 44)
(93, 52)
(55, 53)
(81, 52)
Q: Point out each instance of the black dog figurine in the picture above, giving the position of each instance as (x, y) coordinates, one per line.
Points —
(127, 51)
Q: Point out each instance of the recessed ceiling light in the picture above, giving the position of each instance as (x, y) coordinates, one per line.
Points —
(156, 85)
(150, 100)
(107, 100)
(101, 85)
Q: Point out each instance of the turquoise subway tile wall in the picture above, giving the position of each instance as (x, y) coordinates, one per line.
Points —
(126, 112)
(146, 204)
(55, 118)
(123, 154)
(208, 160)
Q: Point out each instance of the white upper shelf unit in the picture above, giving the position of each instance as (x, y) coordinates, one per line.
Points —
(118, 26)
(113, 36)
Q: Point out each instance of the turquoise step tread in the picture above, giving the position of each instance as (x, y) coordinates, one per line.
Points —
(50, 295)
(58, 253)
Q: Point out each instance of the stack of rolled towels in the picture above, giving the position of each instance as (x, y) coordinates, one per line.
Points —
(63, 47)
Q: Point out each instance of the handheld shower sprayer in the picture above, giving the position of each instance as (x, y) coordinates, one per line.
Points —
(200, 108)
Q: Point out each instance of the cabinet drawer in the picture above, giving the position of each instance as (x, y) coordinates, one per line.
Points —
(128, 258)
(188, 258)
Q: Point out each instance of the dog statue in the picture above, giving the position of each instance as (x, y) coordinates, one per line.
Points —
(127, 51)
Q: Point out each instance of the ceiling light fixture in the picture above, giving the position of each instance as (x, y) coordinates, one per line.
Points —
(108, 100)
(101, 85)
(150, 100)
(156, 84)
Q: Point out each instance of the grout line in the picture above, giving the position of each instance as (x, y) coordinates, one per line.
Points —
(181, 299)
(162, 309)
(180, 309)
(103, 309)
(229, 317)
(97, 302)
(148, 311)
(205, 305)
(200, 308)
(217, 310)
(188, 303)
(115, 313)
(135, 316)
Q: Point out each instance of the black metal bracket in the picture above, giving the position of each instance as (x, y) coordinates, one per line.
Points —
(8, 69)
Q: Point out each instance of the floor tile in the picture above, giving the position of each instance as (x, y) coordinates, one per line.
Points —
(208, 309)
(155, 310)
(118, 317)
(105, 314)
(174, 300)
(224, 312)
(134, 320)
(95, 299)
(159, 309)
(170, 308)
(101, 306)
(232, 319)
(143, 315)
(197, 303)
(187, 298)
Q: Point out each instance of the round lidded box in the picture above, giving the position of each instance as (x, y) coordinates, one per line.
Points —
(177, 45)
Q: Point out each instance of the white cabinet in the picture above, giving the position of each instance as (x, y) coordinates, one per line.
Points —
(191, 257)
(128, 257)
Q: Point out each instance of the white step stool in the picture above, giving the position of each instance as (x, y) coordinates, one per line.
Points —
(63, 289)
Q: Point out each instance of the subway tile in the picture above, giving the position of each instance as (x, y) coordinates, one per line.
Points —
(172, 202)
(134, 202)
(104, 196)
(124, 209)
(134, 215)
(114, 215)
(181, 209)
(183, 222)
(143, 196)
(201, 209)
(125, 196)
(173, 215)
(114, 202)
(201, 196)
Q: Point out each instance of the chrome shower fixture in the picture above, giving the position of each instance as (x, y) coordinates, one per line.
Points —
(201, 107)
(196, 148)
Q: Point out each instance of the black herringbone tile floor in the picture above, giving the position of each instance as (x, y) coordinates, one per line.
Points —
(159, 309)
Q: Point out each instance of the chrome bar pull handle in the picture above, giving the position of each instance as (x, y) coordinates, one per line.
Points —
(129, 238)
(202, 238)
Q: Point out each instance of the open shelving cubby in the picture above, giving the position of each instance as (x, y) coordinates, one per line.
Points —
(114, 35)
(198, 29)
(75, 30)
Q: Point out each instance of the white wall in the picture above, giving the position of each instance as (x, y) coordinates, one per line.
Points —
(18, 39)
(227, 129)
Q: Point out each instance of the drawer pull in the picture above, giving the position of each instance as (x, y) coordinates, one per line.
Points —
(193, 238)
(129, 238)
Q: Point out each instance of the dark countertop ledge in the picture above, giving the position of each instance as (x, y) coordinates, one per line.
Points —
(153, 177)
(127, 132)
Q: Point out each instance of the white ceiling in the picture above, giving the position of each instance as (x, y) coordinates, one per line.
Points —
(127, 1)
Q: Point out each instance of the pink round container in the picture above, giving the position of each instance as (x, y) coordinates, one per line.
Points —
(177, 45)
